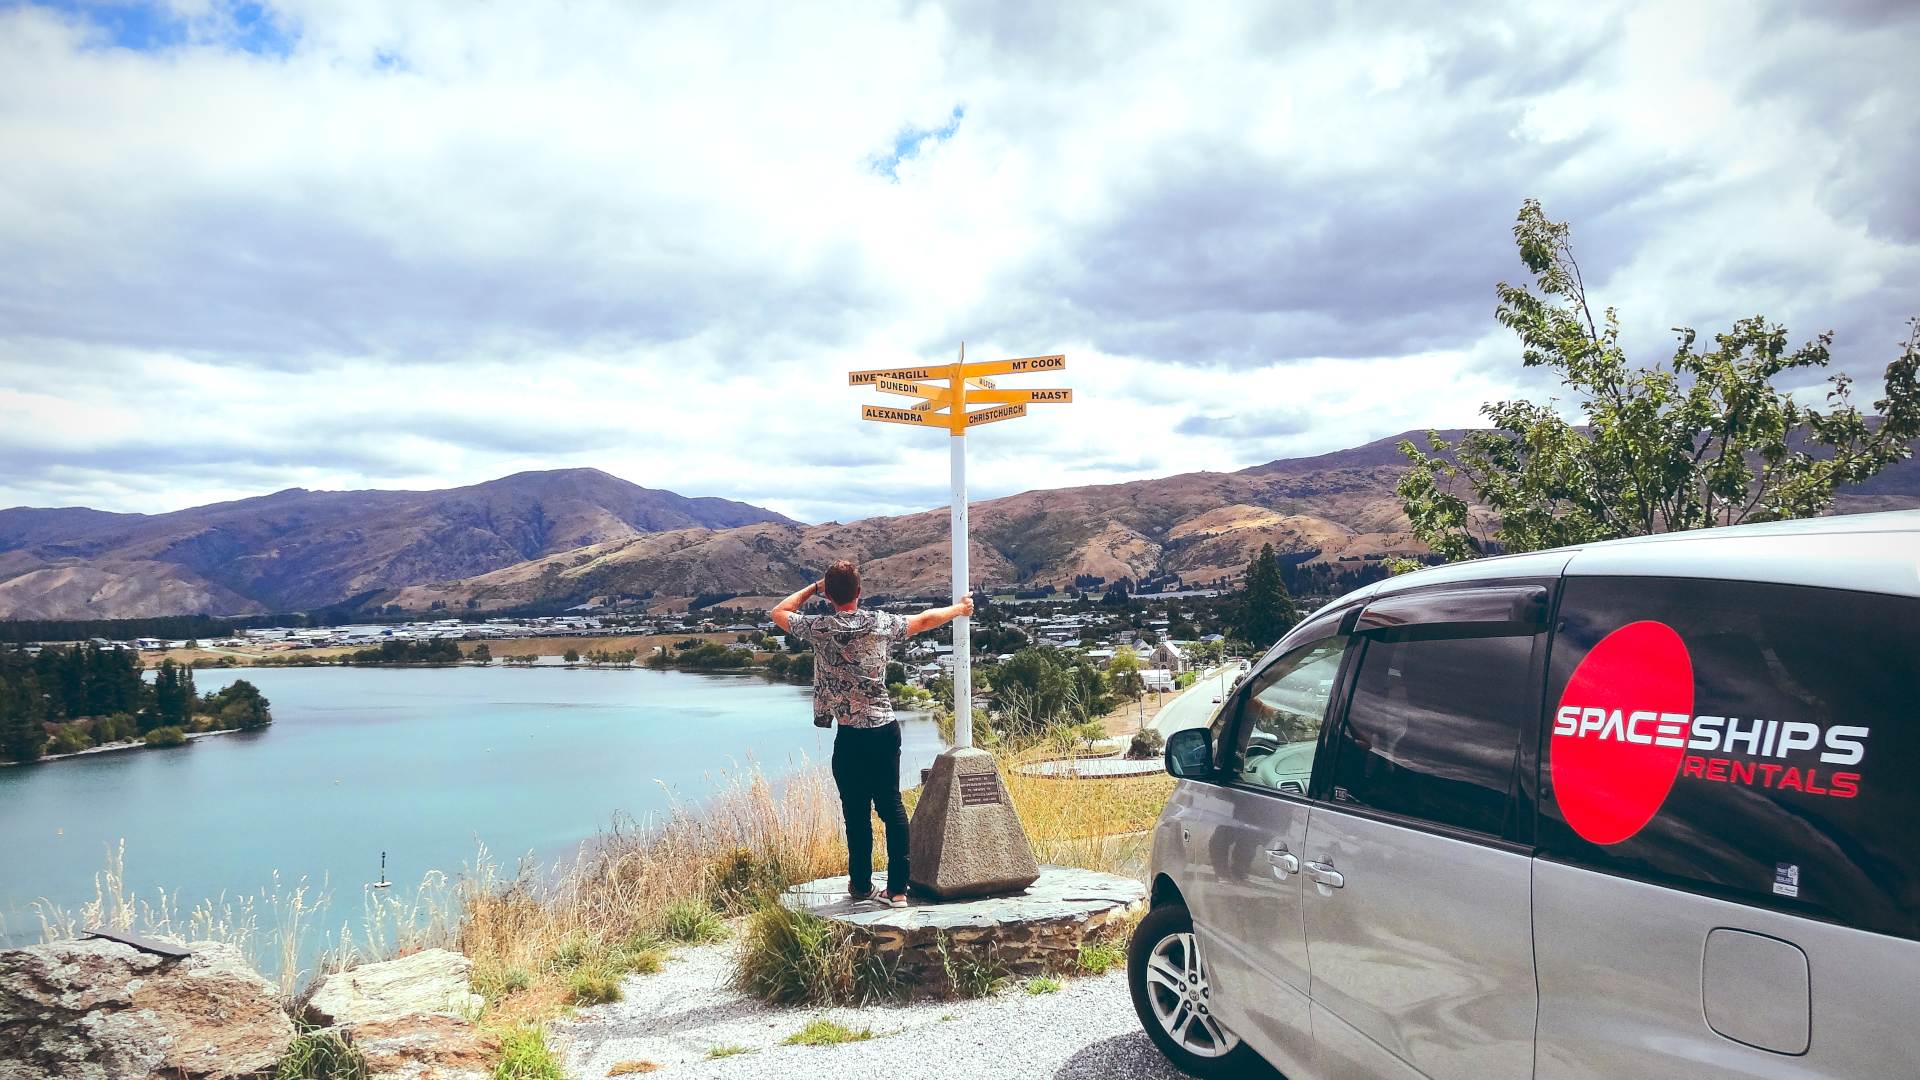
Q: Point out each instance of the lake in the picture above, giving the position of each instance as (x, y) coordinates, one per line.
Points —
(422, 763)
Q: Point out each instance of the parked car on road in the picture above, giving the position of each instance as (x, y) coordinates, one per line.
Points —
(1644, 808)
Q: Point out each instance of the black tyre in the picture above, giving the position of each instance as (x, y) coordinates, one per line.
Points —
(1173, 998)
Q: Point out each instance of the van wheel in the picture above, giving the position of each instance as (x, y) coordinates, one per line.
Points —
(1173, 997)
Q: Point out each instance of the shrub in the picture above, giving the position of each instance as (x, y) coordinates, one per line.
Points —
(524, 1056)
(495, 981)
(1100, 957)
(693, 921)
(972, 972)
(795, 958)
(69, 739)
(166, 736)
(744, 881)
(321, 1055)
(824, 1032)
(594, 984)
(1146, 743)
(116, 727)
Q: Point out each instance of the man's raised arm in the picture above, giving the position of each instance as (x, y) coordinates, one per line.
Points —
(940, 616)
(782, 612)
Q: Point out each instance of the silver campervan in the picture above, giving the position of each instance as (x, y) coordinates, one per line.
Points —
(1646, 808)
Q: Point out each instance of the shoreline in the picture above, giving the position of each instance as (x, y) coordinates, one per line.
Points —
(108, 748)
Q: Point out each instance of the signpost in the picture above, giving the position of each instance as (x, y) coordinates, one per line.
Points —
(966, 384)
(965, 839)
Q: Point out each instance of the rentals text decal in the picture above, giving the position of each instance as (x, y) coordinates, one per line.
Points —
(1625, 731)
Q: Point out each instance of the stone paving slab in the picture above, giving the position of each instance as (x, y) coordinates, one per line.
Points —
(1062, 892)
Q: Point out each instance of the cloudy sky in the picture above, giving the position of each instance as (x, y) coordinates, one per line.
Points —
(354, 243)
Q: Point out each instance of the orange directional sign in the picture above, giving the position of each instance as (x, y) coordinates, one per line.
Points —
(1063, 397)
(1021, 366)
(995, 414)
(959, 385)
(929, 391)
(862, 378)
(900, 416)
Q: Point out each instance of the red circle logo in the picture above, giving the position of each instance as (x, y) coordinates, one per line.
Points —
(1620, 731)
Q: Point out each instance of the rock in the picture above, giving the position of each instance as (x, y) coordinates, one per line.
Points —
(100, 1010)
(966, 839)
(433, 981)
(1038, 931)
(425, 1047)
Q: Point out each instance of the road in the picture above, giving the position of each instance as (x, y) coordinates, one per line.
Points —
(680, 1016)
(1196, 706)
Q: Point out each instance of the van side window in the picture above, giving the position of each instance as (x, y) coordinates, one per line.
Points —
(1280, 717)
(1751, 741)
(1433, 728)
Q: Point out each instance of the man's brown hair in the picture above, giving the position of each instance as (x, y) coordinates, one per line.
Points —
(843, 582)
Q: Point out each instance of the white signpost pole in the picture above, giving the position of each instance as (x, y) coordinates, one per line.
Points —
(962, 636)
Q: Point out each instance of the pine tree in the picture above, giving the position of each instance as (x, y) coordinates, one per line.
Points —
(1265, 610)
(22, 738)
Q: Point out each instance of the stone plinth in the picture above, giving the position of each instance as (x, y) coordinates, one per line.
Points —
(1034, 932)
(965, 839)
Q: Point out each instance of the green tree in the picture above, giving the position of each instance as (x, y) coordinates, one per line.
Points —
(482, 653)
(1124, 671)
(1264, 610)
(240, 706)
(22, 737)
(572, 656)
(1705, 439)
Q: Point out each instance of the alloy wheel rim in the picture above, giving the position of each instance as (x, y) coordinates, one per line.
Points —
(1181, 997)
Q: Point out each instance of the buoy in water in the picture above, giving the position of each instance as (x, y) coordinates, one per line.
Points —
(383, 882)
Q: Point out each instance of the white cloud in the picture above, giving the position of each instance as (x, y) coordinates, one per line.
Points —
(426, 244)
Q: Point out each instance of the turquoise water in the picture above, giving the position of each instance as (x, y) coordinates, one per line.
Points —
(422, 763)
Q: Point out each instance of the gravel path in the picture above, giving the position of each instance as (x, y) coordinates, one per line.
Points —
(673, 1018)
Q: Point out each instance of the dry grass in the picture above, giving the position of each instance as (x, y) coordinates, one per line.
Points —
(746, 843)
(272, 924)
(641, 644)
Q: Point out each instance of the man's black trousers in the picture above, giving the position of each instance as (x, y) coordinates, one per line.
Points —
(866, 769)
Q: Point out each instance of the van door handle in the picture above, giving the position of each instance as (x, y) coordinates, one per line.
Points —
(1325, 874)
(1284, 861)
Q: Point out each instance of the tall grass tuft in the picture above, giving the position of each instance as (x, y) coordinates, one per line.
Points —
(795, 958)
(524, 1055)
(321, 1055)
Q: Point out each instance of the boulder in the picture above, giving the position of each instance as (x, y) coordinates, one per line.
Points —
(966, 839)
(433, 981)
(430, 1047)
(101, 1010)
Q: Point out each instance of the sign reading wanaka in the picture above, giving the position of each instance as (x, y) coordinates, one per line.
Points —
(964, 384)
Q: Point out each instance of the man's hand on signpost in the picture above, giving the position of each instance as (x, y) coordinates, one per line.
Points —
(940, 616)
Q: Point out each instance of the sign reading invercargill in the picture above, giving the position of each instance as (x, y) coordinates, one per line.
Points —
(966, 384)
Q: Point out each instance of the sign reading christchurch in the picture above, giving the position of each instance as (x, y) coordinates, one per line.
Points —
(1625, 726)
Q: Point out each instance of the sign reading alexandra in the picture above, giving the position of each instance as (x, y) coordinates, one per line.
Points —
(896, 416)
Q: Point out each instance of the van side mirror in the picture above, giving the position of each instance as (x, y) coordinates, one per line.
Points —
(1190, 754)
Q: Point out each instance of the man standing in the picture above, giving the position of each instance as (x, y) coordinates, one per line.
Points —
(850, 649)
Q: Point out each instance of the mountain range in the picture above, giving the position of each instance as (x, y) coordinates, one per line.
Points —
(575, 535)
(297, 549)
